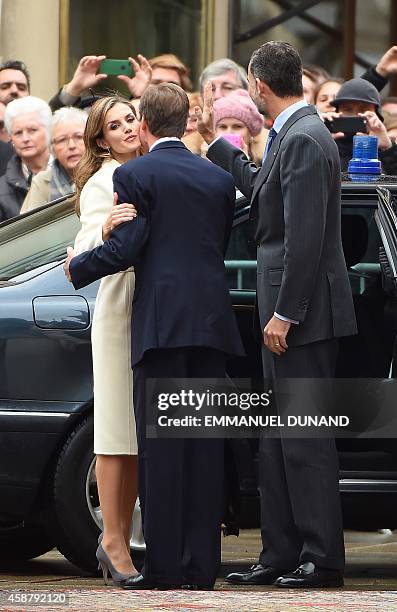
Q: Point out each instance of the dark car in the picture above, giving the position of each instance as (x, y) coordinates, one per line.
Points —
(47, 467)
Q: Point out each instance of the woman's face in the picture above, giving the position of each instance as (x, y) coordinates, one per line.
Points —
(229, 125)
(325, 95)
(68, 144)
(29, 136)
(191, 125)
(120, 132)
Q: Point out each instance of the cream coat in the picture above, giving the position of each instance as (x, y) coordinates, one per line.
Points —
(114, 422)
(39, 192)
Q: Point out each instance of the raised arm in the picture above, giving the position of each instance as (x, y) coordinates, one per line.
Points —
(233, 160)
(221, 152)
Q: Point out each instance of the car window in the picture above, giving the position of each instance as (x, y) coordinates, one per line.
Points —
(240, 259)
(361, 242)
(36, 239)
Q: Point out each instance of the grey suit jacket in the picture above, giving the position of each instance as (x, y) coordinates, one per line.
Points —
(296, 218)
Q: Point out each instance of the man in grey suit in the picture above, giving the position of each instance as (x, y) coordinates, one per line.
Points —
(304, 304)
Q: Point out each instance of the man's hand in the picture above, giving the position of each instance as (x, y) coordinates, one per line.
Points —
(275, 334)
(377, 128)
(205, 117)
(387, 64)
(143, 74)
(86, 75)
(120, 213)
(70, 254)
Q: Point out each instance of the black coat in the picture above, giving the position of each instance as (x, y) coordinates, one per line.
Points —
(13, 189)
(6, 152)
(177, 245)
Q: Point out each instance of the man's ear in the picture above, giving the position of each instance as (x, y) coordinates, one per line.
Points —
(262, 88)
(144, 126)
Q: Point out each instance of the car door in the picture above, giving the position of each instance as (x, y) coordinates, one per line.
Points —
(45, 351)
(45, 348)
(386, 220)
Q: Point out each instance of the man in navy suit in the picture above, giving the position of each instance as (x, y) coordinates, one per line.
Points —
(183, 326)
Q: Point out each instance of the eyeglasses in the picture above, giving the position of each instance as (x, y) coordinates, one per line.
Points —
(63, 141)
(224, 87)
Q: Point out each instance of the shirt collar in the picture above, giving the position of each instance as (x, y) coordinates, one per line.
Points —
(286, 114)
(165, 139)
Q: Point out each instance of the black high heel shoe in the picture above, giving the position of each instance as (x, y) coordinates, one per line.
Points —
(107, 567)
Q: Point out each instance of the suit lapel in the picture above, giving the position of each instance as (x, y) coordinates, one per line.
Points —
(271, 156)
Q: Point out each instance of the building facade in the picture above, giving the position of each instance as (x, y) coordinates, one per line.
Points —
(51, 36)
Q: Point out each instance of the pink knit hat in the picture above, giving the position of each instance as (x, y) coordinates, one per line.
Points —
(238, 105)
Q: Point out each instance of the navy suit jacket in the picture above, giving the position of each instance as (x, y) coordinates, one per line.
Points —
(176, 244)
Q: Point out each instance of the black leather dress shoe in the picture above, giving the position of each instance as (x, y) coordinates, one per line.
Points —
(140, 582)
(257, 574)
(309, 576)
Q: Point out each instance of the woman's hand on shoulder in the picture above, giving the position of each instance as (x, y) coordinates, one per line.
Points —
(119, 214)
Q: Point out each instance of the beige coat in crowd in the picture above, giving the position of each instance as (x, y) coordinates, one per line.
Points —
(39, 192)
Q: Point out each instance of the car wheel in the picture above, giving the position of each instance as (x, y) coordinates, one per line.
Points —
(23, 542)
(76, 530)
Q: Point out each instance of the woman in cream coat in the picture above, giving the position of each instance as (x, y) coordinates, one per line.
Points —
(111, 137)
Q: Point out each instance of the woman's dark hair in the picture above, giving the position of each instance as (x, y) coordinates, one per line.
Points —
(278, 65)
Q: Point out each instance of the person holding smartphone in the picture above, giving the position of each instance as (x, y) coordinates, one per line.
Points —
(237, 119)
(357, 98)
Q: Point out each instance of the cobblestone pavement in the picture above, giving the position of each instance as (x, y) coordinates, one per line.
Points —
(370, 584)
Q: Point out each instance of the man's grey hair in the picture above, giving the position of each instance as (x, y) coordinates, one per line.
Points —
(219, 67)
(29, 105)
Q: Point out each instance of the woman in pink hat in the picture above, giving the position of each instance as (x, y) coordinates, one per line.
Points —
(239, 121)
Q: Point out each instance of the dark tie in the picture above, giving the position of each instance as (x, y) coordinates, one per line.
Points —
(272, 135)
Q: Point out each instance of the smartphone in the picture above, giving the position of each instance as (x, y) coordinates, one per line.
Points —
(234, 139)
(347, 125)
(115, 66)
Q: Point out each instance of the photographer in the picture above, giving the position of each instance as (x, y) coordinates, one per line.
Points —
(359, 98)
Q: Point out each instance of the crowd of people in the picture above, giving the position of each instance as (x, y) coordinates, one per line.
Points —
(173, 310)
(41, 144)
(163, 309)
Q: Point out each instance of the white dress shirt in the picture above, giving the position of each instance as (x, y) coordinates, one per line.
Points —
(164, 139)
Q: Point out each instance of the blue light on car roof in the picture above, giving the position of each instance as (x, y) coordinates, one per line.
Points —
(364, 165)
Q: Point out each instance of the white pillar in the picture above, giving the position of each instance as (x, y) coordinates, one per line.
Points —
(221, 29)
(30, 32)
